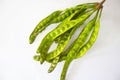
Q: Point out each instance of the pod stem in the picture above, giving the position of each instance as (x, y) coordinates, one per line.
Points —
(102, 2)
(100, 5)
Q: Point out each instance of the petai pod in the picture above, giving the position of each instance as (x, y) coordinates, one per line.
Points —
(62, 44)
(45, 47)
(92, 39)
(83, 8)
(63, 27)
(67, 12)
(82, 11)
(78, 43)
(69, 20)
(42, 25)
(54, 17)
(53, 64)
(65, 68)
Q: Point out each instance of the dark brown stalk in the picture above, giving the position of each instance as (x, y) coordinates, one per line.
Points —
(100, 5)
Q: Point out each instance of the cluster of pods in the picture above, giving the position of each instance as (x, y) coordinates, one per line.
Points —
(69, 21)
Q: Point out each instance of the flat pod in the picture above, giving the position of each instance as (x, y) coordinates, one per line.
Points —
(83, 8)
(62, 44)
(53, 64)
(65, 68)
(68, 19)
(46, 42)
(54, 17)
(63, 27)
(42, 25)
(79, 42)
(67, 12)
(92, 39)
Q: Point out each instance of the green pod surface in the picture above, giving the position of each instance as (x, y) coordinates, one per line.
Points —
(65, 68)
(63, 15)
(69, 11)
(76, 45)
(53, 64)
(62, 37)
(59, 38)
(87, 5)
(91, 41)
(63, 27)
(80, 41)
(55, 17)
(62, 44)
(63, 56)
(42, 25)
(83, 8)
(37, 57)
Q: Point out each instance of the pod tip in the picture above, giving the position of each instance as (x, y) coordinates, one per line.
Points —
(30, 41)
(36, 57)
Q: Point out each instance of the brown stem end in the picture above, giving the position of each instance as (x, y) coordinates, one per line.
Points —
(100, 5)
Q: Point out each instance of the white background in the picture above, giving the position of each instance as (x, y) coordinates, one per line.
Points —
(19, 17)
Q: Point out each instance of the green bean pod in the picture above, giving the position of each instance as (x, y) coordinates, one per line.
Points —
(62, 44)
(62, 37)
(42, 25)
(70, 11)
(82, 8)
(54, 17)
(91, 41)
(65, 68)
(77, 44)
(69, 20)
(80, 41)
(63, 27)
(63, 15)
(59, 38)
(53, 64)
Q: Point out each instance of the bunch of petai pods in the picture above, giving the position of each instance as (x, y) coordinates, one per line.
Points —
(69, 21)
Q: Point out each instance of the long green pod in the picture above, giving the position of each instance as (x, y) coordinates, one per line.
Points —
(92, 39)
(46, 38)
(62, 44)
(59, 38)
(76, 45)
(71, 10)
(55, 17)
(83, 8)
(62, 37)
(63, 15)
(42, 25)
(79, 42)
(63, 27)
(89, 5)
